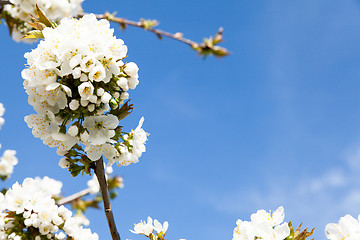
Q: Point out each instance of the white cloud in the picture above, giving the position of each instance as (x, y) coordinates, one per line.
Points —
(315, 200)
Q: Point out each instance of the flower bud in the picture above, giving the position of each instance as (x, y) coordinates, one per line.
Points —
(74, 104)
(73, 130)
(113, 104)
(83, 77)
(84, 103)
(123, 83)
(124, 95)
(93, 98)
(105, 98)
(91, 107)
(100, 92)
(131, 69)
(64, 162)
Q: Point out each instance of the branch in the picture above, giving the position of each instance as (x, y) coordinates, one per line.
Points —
(205, 48)
(2, 3)
(73, 197)
(100, 174)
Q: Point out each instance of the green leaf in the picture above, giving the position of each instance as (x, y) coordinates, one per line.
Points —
(34, 34)
(148, 23)
(37, 25)
(75, 169)
(42, 18)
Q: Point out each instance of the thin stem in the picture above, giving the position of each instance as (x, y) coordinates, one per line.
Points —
(100, 174)
(158, 32)
(73, 197)
(2, 3)
(207, 47)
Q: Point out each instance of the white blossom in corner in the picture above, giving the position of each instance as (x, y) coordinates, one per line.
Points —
(348, 228)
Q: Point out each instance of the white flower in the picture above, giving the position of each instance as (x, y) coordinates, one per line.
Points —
(34, 200)
(97, 74)
(263, 225)
(143, 227)
(94, 152)
(158, 227)
(7, 162)
(73, 130)
(63, 142)
(131, 69)
(139, 139)
(136, 139)
(348, 228)
(101, 128)
(244, 230)
(64, 162)
(146, 228)
(86, 90)
(42, 125)
(105, 98)
(53, 9)
(74, 104)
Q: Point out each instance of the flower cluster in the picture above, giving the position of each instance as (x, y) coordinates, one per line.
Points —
(263, 225)
(18, 13)
(132, 147)
(30, 212)
(76, 81)
(147, 229)
(348, 228)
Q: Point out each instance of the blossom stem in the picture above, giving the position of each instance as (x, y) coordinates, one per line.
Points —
(158, 32)
(2, 3)
(73, 197)
(100, 174)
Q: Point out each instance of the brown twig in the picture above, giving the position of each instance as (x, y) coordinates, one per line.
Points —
(158, 32)
(2, 3)
(73, 197)
(207, 47)
(100, 174)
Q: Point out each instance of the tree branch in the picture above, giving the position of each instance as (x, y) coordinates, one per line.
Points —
(73, 197)
(2, 3)
(205, 48)
(100, 174)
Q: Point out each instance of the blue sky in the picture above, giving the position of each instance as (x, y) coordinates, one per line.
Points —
(275, 123)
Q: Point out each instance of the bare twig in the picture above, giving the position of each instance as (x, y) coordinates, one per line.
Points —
(2, 3)
(207, 47)
(73, 197)
(124, 22)
(100, 174)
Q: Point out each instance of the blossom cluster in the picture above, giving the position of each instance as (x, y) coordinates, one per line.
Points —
(55, 10)
(348, 228)
(29, 211)
(263, 225)
(147, 229)
(76, 81)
